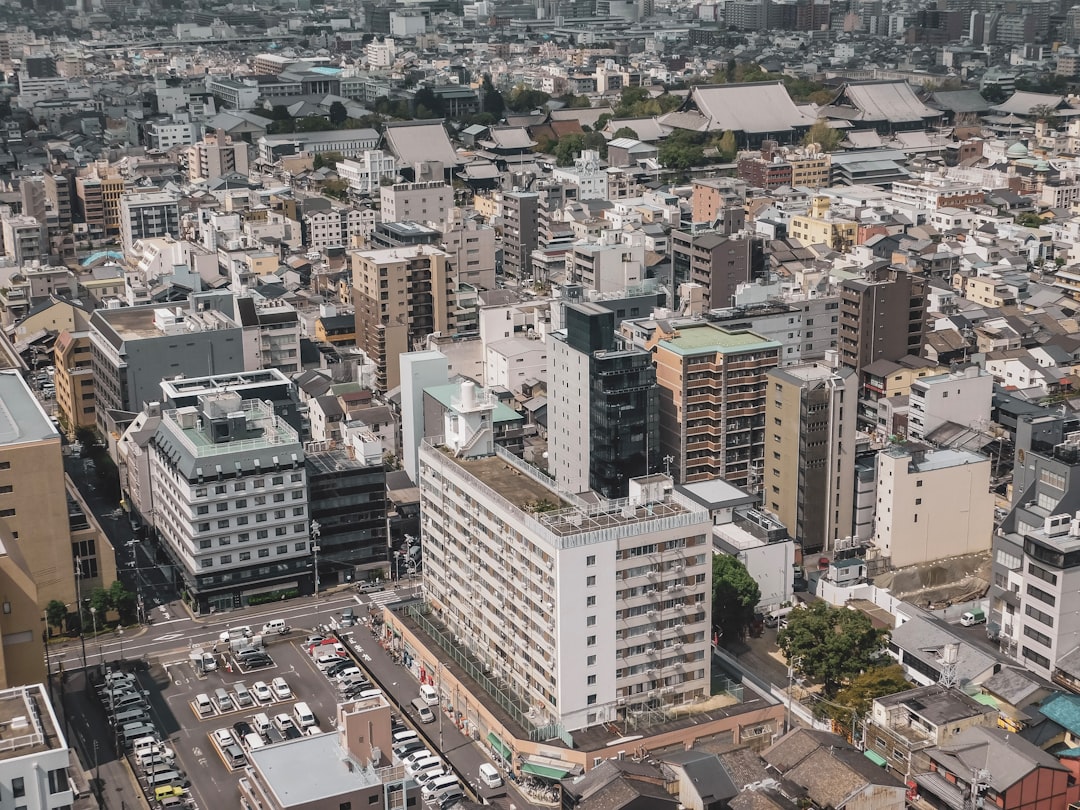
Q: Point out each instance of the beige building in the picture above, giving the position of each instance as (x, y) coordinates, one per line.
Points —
(809, 460)
(74, 380)
(22, 654)
(215, 155)
(424, 202)
(401, 296)
(712, 401)
(819, 227)
(34, 502)
(932, 504)
(719, 199)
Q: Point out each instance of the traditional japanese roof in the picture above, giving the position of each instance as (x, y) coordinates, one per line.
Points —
(754, 107)
(872, 101)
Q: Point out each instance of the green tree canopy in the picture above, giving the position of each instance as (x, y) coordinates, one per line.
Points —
(831, 645)
(625, 132)
(491, 99)
(727, 147)
(338, 113)
(123, 601)
(823, 135)
(735, 597)
(857, 698)
(524, 99)
(56, 614)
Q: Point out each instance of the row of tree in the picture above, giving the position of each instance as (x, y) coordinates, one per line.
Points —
(96, 607)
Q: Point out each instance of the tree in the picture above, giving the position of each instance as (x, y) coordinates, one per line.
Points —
(1043, 112)
(56, 614)
(524, 99)
(1029, 220)
(727, 147)
(625, 132)
(857, 698)
(123, 601)
(338, 113)
(735, 597)
(491, 100)
(824, 136)
(830, 645)
(100, 602)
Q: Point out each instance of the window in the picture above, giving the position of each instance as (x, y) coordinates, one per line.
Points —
(241, 503)
(279, 497)
(590, 641)
(1041, 573)
(202, 527)
(264, 552)
(590, 681)
(278, 480)
(207, 563)
(58, 780)
(222, 506)
(590, 581)
(18, 787)
(219, 489)
(1035, 657)
(223, 524)
(282, 550)
(202, 509)
(590, 601)
(1039, 616)
(591, 700)
(1053, 479)
(590, 560)
(1041, 595)
(245, 556)
(226, 559)
(205, 543)
(243, 537)
(262, 534)
(300, 547)
(590, 621)
(1034, 634)
(590, 661)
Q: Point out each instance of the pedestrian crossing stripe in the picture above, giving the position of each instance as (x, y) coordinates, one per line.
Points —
(385, 597)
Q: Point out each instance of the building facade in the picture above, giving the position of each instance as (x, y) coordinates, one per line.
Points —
(608, 608)
(229, 487)
(810, 462)
(882, 317)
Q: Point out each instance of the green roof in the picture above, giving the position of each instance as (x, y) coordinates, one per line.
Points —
(504, 750)
(545, 771)
(876, 758)
(986, 700)
(502, 412)
(707, 339)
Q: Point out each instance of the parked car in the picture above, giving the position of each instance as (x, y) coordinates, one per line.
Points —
(223, 737)
(281, 689)
(262, 692)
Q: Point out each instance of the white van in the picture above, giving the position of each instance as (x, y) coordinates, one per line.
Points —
(490, 775)
(275, 626)
(262, 723)
(203, 706)
(423, 764)
(404, 736)
(303, 715)
(429, 694)
(253, 742)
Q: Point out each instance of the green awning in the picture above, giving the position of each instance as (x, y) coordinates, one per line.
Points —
(876, 758)
(544, 771)
(500, 746)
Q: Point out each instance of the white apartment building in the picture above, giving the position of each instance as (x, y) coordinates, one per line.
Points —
(511, 361)
(23, 238)
(932, 504)
(365, 173)
(237, 94)
(34, 755)
(164, 135)
(380, 54)
(587, 611)
(229, 490)
(336, 227)
(586, 173)
(962, 397)
(425, 202)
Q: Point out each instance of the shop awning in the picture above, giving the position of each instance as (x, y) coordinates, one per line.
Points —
(499, 745)
(545, 771)
(876, 758)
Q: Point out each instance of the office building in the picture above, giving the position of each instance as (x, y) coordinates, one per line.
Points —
(520, 213)
(587, 613)
(146, 214)
(134, 348)
(347, 497)
(932, 504)
(76, 402)
(401, 296)
(712, 401)
(34, 502)
(719, 203)
(229, 488)
(366, 172)
(603, 406)
(36, 755)
(882, 317)
(97, 201)
(24, 239)
(809, 463)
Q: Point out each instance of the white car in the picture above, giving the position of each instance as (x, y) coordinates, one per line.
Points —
(233, 633)
(281, 689)
(262, 692)
(223, 737)
(323, 662)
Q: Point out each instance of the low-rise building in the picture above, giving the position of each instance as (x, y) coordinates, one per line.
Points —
(35, 756)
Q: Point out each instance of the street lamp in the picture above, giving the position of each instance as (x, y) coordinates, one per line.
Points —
(794, 662)
(120, 633)
(93, 616)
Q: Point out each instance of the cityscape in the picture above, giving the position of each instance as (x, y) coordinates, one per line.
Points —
(586, 405)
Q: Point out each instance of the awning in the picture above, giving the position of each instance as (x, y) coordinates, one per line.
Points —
(545, 771)
(499, 745)
(876, 758)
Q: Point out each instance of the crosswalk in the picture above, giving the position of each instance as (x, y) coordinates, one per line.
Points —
(385, 598)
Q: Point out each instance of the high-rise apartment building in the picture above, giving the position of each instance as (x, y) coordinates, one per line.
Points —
(425, 201)
(882, 317)
(588, 613)
(23, 238)
(216, 154)
(229, 487)
(603, 409)
(146, 214)
(712, 401)
(520, 213)
(718, 263)
(401, 295)
(76, 402)
(809, 463)
(97, 199)
(719, 203)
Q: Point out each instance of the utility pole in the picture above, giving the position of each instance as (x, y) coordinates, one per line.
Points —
(78, 599)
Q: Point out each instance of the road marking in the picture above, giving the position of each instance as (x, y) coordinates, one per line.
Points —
(170, 636)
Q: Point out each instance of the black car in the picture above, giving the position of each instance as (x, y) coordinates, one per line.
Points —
(242, 729)
(293, 733)
(333, 670)
(256, 662)
(355, 691)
